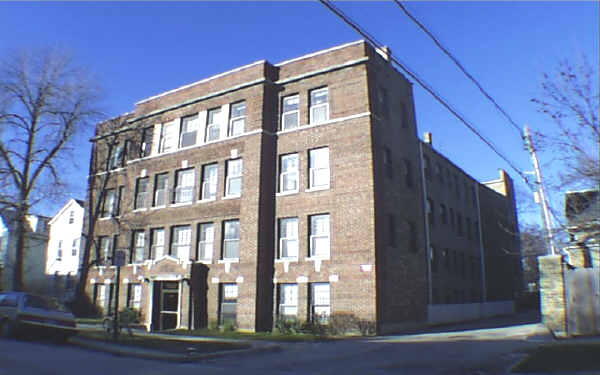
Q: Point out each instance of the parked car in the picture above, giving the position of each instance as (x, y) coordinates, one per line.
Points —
(24, 313)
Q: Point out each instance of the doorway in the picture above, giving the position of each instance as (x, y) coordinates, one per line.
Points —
(165, 310)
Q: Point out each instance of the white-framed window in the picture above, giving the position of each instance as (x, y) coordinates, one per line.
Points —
(189, 131)
(74, 247)
(161, 185)
(139, 246)
(181, 242)
(319, 105)
(320, 301)
(231, 239)
(105, 250)
(116, 157)
(288, 173)
(213, 125)
(141, 193)
(209, 181)
(59, 250)
(134, 296)
(319, 236)
(288, 238)
(158, 243)
(288, 301)
(168, 138)
(206, 240)
(318, 160)
(237, 119)
(290, 113)
(233, 180)
(184, 185)
(228, 304)
(71, 217)
(110, 203)
(146, 145)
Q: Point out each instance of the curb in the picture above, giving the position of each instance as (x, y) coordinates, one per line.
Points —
(127, 351)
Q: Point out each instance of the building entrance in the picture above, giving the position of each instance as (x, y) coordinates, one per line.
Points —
(165, 310)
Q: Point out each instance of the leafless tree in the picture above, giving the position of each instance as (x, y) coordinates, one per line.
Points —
(44, 102)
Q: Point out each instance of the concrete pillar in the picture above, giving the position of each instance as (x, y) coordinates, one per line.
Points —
(552, 294)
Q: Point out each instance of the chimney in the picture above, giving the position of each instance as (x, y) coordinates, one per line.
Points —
(385, 52)
(429, 138)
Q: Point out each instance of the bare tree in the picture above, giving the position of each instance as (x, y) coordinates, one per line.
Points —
(44, 102)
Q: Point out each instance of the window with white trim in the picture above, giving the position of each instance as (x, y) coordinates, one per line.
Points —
(213, 125)
(233, 180)
(110, 203)
(168, 137)
(74, 247)
(161, 185)
(181, 241)
(288, 173)
(141, 193)
(290, 113)
(231, 239)
(319, 172)
(319, 105)
(184, 186)
(209, 181)
(158, 243)
(105, 252)
(134, 296)
(139, 246)
(116, 157)
(237, 119)
(288, 301)
(319, 236)
(71, 217)
(228, 304)
(288, 238)
(146, 145)
(206, 240)
(59, 250)
(189, 131)
(320, 302)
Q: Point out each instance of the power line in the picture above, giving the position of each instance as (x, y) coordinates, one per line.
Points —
(423, 84)
(460, 66)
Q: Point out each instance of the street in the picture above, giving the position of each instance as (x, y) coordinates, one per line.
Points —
(463, 351)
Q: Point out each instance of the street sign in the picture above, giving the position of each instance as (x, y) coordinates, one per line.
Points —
(120, 256)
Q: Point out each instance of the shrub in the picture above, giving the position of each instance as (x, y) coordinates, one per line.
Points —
(129, 316)
(366, 327)
(314, 327)
(342, 323)
(288, 326)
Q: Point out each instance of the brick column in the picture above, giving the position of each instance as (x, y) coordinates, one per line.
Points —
(552, 294)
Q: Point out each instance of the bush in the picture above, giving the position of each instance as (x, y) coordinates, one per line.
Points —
(366, 327)
(129, 316)
(314, 328)
(288, 326)
(342, 323)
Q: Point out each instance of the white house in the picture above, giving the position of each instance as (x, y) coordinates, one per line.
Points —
(64, 240)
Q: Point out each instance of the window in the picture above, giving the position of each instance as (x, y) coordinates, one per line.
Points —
(392, 230)
(213, 126)
(290, 117)
(116, 157)
(427, 167)
(320, 302)
(237, 119)
(59, 250)
(209, 181)
(134, 296)
(168, 138)
(387, 162)
(288, 173)
(233, 180)
(181, 240)
(319, 236)
(105, 251)
(141, 193)
(457, 185)
(139, 246)
(231, 239)
(206, 239)
(430, 213)
(74, 247)
(433, 258)
(319, 168)
(443, 214)
(71, 217)
(146, 146)
(288, 238)
(408, 173)
(184, 186)
(382, 102)
(189, 131)
(110, 203)
(319, 105)
(288, 301)
(473, 197)
(228, 304)
(158, 243)
(161, 185)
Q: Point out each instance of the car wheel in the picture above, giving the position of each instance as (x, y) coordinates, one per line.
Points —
(7, 329)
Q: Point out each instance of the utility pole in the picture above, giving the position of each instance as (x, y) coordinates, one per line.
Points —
(540, 192)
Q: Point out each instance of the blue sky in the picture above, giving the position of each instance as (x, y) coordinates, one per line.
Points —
(139, 49)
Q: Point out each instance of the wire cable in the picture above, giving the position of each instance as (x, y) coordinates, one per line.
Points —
(460, 66)
(377, 45)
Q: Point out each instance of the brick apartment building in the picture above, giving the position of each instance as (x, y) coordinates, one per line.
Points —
(296, 189)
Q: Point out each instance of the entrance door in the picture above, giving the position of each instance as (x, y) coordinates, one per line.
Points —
(166, 305)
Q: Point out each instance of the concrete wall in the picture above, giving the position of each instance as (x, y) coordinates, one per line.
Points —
(468, 311)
